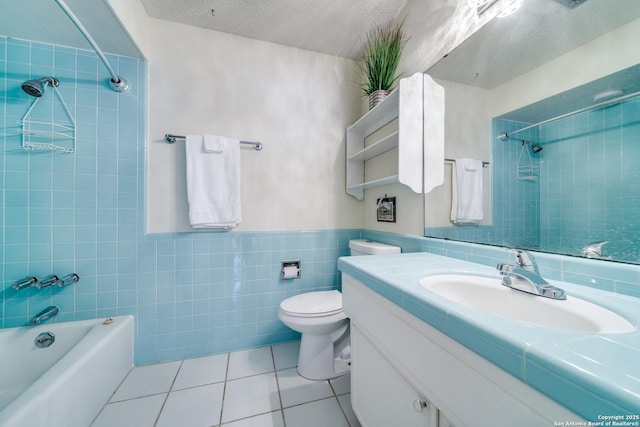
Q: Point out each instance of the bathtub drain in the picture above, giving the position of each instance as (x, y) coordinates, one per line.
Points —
(45, 339)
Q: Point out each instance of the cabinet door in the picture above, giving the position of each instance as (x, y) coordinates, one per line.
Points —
(379, 395)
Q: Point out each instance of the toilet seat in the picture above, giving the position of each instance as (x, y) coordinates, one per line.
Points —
(313, 304)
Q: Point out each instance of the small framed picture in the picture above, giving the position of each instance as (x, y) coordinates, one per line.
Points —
(386, 210)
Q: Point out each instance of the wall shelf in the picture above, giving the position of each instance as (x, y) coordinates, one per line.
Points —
(393, 179)
(382, 146)
(418, 104)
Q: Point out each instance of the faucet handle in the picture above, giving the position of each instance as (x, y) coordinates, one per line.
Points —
(24, 283)
(47, 281)
(69, 279)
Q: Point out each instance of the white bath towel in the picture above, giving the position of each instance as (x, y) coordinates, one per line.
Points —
(213, 181)
(466, 191)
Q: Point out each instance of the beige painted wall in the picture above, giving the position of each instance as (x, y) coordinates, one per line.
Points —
(612, 52)
(434, 29)
(467, 134)
(203, 81)
(296, 102)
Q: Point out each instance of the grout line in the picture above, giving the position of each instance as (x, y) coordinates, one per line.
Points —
(275, 372)
(168, 392)
(251, 416)
(224, 388)
(343, 411)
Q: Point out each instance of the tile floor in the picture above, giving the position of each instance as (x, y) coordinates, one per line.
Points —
(250, 388)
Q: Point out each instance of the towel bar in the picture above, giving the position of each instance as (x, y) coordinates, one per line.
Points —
(170, 139)
(484, 164)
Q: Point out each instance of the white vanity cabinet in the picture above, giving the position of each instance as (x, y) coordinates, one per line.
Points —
(418, 105)
(379, 394)
(398, 360)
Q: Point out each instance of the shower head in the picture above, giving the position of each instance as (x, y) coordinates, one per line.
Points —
(36, 87)
(536, 148)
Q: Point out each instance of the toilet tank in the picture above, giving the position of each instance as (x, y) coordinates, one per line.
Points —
(367, 247)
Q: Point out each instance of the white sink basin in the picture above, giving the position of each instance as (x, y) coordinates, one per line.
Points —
(489, 295)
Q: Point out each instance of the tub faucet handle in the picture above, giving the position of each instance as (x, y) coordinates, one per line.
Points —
(69, 279)
(24, 283)
(47, 281)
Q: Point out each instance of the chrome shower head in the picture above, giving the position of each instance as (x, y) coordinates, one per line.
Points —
(36, 87)
(536, 148)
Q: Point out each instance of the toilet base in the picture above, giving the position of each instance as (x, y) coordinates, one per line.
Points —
(323, 357)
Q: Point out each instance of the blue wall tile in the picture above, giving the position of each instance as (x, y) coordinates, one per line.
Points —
(82, 212)
(191, 293)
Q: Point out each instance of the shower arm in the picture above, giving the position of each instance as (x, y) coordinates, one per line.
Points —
(117, 83)
(504, 135)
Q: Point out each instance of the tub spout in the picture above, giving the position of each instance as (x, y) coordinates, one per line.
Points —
(45, 315)
(593, 250)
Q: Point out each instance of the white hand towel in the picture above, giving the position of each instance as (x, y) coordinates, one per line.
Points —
(466, 191)
(213, 182)
(214, 143)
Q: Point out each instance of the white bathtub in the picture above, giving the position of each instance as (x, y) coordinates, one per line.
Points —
(67, 383)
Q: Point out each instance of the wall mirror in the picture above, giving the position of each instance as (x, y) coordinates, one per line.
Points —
(564, 77)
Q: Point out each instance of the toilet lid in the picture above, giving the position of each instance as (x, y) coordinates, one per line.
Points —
(322, 303)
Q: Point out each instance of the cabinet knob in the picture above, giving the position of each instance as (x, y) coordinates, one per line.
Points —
(419, 405)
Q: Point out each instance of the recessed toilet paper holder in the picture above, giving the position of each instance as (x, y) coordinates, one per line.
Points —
(291, 269)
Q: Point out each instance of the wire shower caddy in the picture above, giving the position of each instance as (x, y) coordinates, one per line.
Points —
(526, 169)
(48, 136)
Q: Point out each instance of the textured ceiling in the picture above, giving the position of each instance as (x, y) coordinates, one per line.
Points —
(332, 27)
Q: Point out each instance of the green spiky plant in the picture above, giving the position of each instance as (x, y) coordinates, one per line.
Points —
(382, 51)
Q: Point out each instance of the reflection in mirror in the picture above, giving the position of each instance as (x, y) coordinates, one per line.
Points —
(557, 114)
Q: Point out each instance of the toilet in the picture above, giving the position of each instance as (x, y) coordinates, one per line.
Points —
(325, 346)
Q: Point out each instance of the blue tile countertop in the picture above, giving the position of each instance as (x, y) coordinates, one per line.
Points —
(594, 375)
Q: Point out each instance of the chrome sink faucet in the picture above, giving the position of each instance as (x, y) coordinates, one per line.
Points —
(526, 260)
(525, 277)
(45, 315)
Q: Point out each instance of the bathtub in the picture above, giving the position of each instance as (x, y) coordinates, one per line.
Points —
(67, 383)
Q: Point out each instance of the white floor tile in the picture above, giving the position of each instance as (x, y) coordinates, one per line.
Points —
(140, 412)
(193, 407)
(341, 385)
(201, 371)
(286, 355)
(345, 402)
(272, 419)
(321, 413)
(250, 362)
(295, 389)
(250, 396)
(147, 380)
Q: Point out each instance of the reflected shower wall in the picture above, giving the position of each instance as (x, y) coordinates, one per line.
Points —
(590, 181)
(587, 189)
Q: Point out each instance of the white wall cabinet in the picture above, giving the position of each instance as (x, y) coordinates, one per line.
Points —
(397, 359)
(418, 104)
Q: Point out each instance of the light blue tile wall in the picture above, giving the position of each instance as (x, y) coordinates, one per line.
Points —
(590, 181)
(191, 293)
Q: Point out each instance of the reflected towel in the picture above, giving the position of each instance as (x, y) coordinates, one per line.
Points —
(466, 191)
(213, 181)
